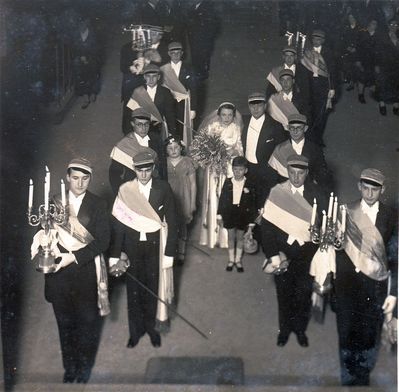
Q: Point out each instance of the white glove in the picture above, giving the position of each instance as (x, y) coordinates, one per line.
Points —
(389, 306)
(137, 66)
(66, 259)
(192, 114)
(331, 94)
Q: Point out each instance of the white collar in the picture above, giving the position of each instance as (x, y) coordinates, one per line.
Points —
(287, 96)
(240, 183)
(370, 209)
(258, 122)
(152, 88)
(318, 49)
(299, 190)
(298, 146)
(73, 198)
(143, 141)
(145, 189)
(292, 68)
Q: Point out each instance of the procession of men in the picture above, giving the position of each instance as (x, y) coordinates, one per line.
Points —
(132, 237)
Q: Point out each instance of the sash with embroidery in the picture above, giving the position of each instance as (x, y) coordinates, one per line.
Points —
(272, 77)
(290, 212)
(364, 244)
(315, 63)
(141, 99)
(126, 149)
(280, 109)
(133, 210)
(278, 160)
(179, 92)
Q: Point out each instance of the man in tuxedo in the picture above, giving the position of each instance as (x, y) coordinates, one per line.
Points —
(320, 64)
(141, 210)
(156, 100)
(299, 144)
(121, 168)
(72, 289)
(261, 134)
(179, 77)
(361, 288)
(286, 240)
(290, 100)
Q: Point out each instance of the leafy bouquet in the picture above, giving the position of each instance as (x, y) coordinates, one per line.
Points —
(209, 150)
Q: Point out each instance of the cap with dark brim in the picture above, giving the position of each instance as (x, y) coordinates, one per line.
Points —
(140, 113)
(373, 175)
(81, 163)
(298, 161)
(144, 158)
(289, 49)
(256, 97)
(319, 33)
(151, 68)
(285, 72)
(175, 46)
(297, 118)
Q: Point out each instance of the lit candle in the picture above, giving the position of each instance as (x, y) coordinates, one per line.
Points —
(30, 199)
(46, 192)
(330, 205)
(48, 179)
(297, 37)
(63, 197)
(335, 209)
(303, 41)
(314, 211)
(343, 219)
(324, 222)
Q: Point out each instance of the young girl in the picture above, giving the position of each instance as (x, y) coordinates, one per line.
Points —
(181, 177)
(237, 209)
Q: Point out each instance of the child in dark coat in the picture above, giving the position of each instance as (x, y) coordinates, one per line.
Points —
(237, 209)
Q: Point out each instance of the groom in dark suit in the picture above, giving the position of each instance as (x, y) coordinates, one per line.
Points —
(72, 289)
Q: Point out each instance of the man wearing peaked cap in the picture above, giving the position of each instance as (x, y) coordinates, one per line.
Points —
(72, 289)
(148, 245)
(121, 168)
(289, 56)
(363, 271)
(288, 249)
(299, 144)
(179, 77)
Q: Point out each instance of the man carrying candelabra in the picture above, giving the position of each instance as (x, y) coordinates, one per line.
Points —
(288, 248)
(365, 286)
(78, 240)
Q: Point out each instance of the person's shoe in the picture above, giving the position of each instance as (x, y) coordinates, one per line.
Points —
(302, 339)
(395, 111)
(361, 98)
(230, 266)
(85, 105)
(155, 339)
(83, 376)
(282, 339)
(383, 110)
(69, 376)
(132, 343)
(239, 267)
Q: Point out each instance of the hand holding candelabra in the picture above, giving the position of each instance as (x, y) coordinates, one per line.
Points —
(329, 233)
(47, 217)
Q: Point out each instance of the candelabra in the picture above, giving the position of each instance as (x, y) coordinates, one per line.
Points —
(331, 236)
(142, 36)
(46, 218)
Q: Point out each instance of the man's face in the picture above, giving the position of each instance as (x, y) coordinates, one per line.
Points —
(370, 193)
(78, 182)
(144, 174)
(257, 108)
(286, 82)
(297, 131)
(297, 176)
(175, 55)
(317, 41)
(289, 58)
(151, 79)
(141, 126)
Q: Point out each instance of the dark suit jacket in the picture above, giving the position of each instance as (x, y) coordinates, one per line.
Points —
(161, 199)
(93, 215)
(119, 174)
(271, 134)
(275, 240)
(165, 103)
(189, 81)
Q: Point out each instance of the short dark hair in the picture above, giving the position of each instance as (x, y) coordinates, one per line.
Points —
(77, 169)
(240, 161)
